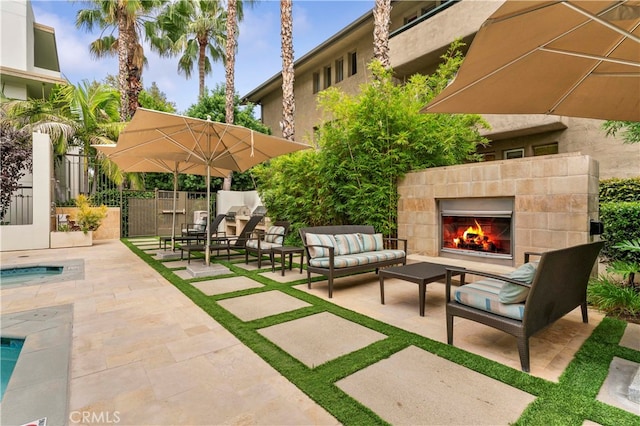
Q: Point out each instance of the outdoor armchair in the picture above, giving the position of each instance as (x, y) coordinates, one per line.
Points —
(261, 243)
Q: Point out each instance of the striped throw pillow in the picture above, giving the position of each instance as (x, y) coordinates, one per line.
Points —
(347, 244)
(275, 234)
(320, 239)
(371, 242)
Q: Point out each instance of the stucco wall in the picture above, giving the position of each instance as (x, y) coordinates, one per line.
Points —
(36, 235)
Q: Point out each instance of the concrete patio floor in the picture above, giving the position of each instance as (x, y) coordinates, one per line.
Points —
(143, 351)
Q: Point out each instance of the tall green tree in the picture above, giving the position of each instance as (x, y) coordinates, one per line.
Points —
(195, 30)
(367, 142)
(128, 18)
(153, 98)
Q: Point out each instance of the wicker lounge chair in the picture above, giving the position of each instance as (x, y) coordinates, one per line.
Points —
(194, 233)
(226, 243)
(557, 285)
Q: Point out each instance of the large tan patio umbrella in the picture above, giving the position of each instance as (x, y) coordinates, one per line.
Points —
(170, 137)
(573, 58)
(129, 163)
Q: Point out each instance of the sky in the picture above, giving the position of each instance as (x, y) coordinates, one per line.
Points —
(258, 58)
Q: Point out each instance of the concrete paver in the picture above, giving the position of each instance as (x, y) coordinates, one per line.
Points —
(319, 338)
(143, 353)
(261, 305)
(415, 387)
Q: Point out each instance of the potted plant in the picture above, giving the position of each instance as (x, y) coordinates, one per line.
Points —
(88, 217)
(79, 232)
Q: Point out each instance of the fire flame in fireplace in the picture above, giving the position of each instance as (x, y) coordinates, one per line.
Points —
(474, 238)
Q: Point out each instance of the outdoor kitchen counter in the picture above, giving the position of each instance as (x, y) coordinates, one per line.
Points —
(233, 227)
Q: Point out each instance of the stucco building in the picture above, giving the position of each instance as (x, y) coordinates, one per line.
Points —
(421, 31)
(29, 65)
(29, 69)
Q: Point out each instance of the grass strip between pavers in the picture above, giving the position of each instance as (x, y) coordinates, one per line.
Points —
(571, 401)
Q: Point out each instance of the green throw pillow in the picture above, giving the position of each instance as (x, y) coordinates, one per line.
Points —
(513, 293)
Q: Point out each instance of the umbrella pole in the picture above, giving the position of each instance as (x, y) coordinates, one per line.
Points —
(207, 253)
(173, 221)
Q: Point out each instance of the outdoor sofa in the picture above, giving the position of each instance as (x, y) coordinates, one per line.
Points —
(529, 299)
(339, 250)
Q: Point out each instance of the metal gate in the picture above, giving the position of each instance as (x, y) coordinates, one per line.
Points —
(153, 216)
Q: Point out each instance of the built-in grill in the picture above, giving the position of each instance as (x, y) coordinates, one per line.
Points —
(237, 211)
(259, 211)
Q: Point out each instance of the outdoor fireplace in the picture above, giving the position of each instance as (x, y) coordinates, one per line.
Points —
(477, 227)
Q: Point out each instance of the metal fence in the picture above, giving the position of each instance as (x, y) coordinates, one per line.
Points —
(20, 211)
(142, 213)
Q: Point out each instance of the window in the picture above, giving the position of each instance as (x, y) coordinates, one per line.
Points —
(316, 82)
(427, 9)
(339, 70)
(547, 149)
(353, 63)
(489, 156)
(513, 153)
(410, 18)
(327, 77)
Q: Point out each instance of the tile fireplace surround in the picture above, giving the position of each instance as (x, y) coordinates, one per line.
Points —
(555, 197)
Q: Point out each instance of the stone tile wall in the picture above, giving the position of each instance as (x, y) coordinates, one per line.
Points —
(555, 197)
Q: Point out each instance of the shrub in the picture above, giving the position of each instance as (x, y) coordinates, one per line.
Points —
(620, 190)
(89, 218)
(620, 224)
(614, 298)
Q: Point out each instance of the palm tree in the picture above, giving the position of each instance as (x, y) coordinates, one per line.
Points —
(197, 30)
(234, 14)
(230, 56)
(288, 74)
(80, 115)
(127, 17)
(381, 21)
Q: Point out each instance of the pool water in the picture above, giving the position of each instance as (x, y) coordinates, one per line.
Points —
(9, 351)
(17, 275)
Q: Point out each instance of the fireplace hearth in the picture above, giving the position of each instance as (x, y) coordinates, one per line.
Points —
(477, 227)
(553, 199)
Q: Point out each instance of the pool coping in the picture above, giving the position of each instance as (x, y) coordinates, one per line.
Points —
(40, 385)
(73, 269)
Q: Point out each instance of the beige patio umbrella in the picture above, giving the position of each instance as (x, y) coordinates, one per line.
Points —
(572, 58)
(128, 162)
(170, 137)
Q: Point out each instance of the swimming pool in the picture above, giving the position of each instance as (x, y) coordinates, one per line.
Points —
(9, 351)
(39, 385)
(27, 273)
(41, 273)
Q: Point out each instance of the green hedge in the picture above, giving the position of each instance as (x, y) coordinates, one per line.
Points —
(616, 190)
(621, 222)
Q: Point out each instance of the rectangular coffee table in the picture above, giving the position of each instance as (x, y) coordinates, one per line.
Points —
(420, 273)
